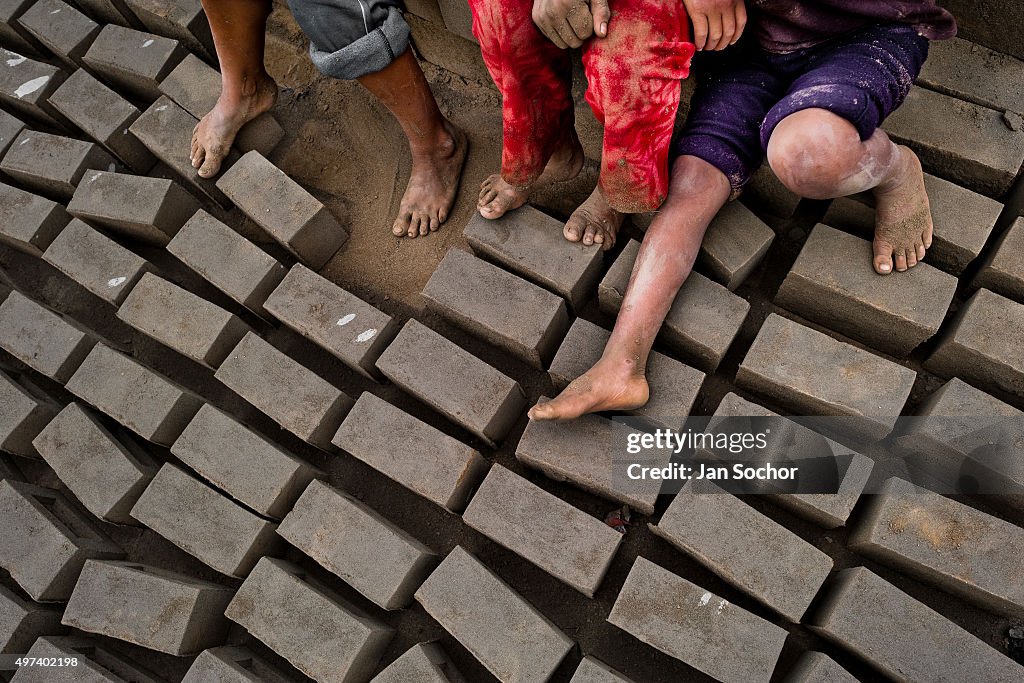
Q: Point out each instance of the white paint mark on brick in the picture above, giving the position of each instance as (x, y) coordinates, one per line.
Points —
(116, 282)
(366, 335)
(704, 600)
(722, 605)
(56, 11)
(24, 142)
(148, 43)
(94, 176)
(346, 319)
(15, 60)
(31, 86)
(161, 107)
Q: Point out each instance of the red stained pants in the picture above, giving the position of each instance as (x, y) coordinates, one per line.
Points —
(633, 88)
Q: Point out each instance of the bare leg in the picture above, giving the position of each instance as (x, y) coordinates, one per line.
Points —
(697, 192)
(821, 156)
(247, 90)
(438, 146)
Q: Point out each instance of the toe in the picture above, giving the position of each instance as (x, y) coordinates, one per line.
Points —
(608, 241)
(434, 224)
(921, 251)
(424, 225)
(401, 225)
(572, 232)
(883, 257)
(911, 257)
(588, 235)
(414, 227)
(901, 261)
(210, 166)
(199, 157)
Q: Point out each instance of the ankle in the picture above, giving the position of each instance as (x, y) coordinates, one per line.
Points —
(437, 143)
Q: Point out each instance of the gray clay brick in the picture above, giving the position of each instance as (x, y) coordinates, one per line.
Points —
(183, 20)
(292, 395)
(13, 36)
(592, 670)
(765, 192)
(22, 621)
(61, 28)
(457, 18)
(155, 608)
(287, 212)
(974, 73)
(696, 626)
(53, 165)
(454, 382)
(347, 327)
(1003, 271)
(393, 442)
(505, 310)
(349, 539)
(135, 396)
(567, 543)
(96, 262)
(96, 664)
(23, 414)
(734, 245)
(44, 340)
(10, 127)
(814, 667)
(29, 222)
(232, 664)
(508, 635)
(25, 84)
(133, 62)
(44, 542)
(321, 635)
(421, 663)
(227, 260)
(703, 321)
(107, 473)
(241, 463)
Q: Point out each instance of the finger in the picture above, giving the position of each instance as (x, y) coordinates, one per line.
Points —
(714, 32)
(700, 30)
(580, 21)
(602, 15)
(741, 21)
(567, 35)
(728, 30)
(547, 28)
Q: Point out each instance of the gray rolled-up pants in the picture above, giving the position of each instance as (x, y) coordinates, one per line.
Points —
(352, 38)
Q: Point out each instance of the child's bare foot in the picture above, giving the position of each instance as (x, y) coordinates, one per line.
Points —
(498, 197)
(214, 135)
(594, 222)
(608, 386)
(433, 184)
(903, 218)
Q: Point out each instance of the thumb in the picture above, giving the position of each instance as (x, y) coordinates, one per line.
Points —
(602, 15)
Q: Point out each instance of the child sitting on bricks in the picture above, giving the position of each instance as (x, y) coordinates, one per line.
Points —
(808, 90)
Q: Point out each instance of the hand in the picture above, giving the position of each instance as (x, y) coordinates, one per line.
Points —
(567, 23)
(717, 24)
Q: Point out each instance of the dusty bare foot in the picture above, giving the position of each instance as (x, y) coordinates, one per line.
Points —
(594, 222)
(433, 184)
(903, 218)
(214, 135)
(606, 386)
(498, 197)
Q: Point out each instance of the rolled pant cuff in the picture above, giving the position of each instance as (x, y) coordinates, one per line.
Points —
(846, 101)
(374, 52)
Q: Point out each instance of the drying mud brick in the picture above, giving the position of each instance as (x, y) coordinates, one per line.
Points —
(567, 543)
(963, 221)
(61, 28)
(133, 62)
(426, 9)
(44, 542)
(583, 452)
(232, 664)
(827, 510)
(96, 664)
(984, 155)
(241, 463)
(138, 398)
(228, 261)
(179, 319)
(53, 165)
(974, 73)
(347, 327)
(530, 243)
(10, 127)
(904, 638)
(183, 20)
(22, 621)
(993, 23)
(377, 558)
(509, 636)
(166, 131)
(457, 18)
(767, 193)
(29, 222)
(837, 379)
(982, 346)
(287, 212)
(293, 396)
(393, 442)
(195, 86)
(745, 548)
(148, 209)
(155, 608)
(703, 320)
(814, 667)
(436, 45)
(504, 310)
(106, 473)
(205, 524)
(422, 663)
(13, 36)
(25, 84)
(938, 540)
(696, 626)
(673, 385)
(322, 636)
(592, 670)
(104, 116)
(96, 262)
(734, 244)
(1003, 272)
(40, 338)
(834, 284)
(23, 414)
(454, 382)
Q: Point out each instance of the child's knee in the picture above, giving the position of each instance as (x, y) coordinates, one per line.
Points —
(812, 152)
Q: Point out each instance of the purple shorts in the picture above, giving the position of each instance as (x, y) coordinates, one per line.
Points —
(744, 92)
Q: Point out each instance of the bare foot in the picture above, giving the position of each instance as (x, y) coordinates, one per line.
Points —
(214, 135)
(903, 218)
(433, 184)
(594, 222)
(606, 386)
(498, 197)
